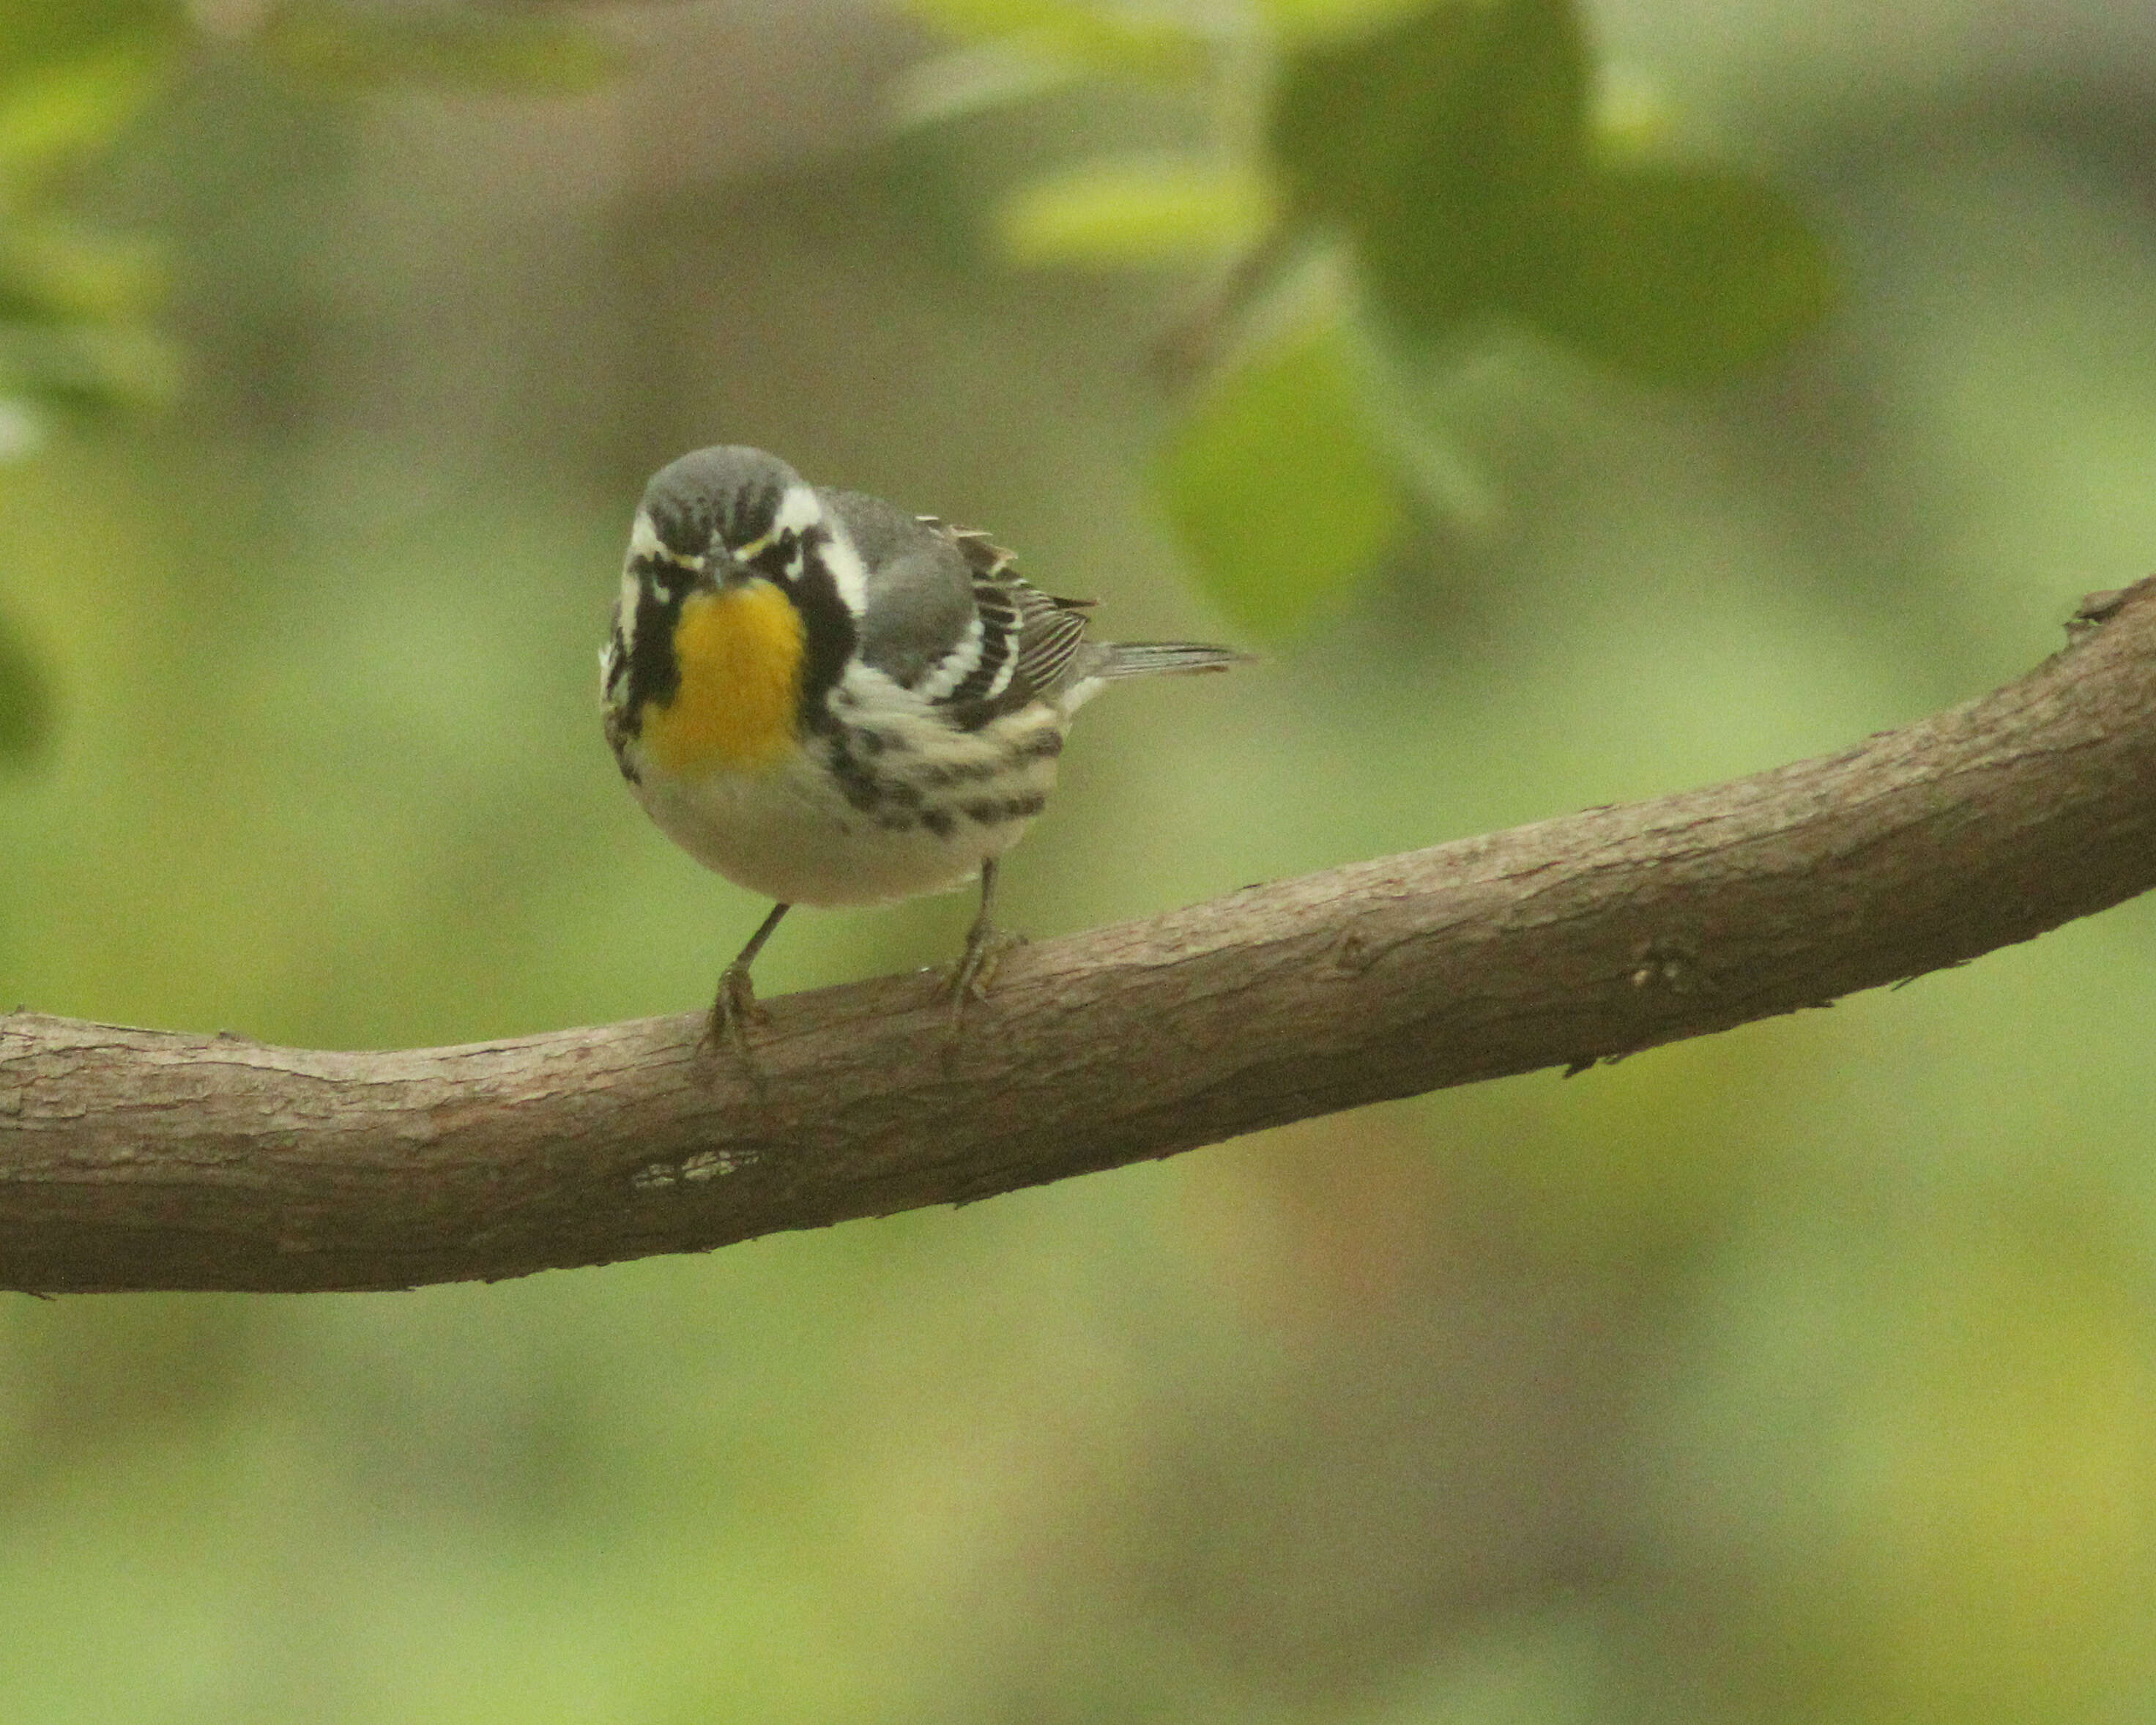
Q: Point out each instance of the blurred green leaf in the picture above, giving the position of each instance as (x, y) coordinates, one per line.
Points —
(1676, 275)
(1453, 149)
(373, 45)
(1276, 488)
(1312, 20)
(1436, 144)
(974, 79)
(86, 365)
(54, 270)
(52, 113)
(1100, 39)
(67, 294)
(35, 33)
(25, 697)
(1136, 211)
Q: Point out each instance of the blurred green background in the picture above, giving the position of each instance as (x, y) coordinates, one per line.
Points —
(1801, 1373)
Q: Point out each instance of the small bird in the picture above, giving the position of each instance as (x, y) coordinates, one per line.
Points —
(829, 701)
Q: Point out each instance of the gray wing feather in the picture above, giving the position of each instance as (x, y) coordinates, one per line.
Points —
(920, 596)
(928, 584)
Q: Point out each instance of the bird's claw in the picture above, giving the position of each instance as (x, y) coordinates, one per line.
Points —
(733, 1013)
(968, 979)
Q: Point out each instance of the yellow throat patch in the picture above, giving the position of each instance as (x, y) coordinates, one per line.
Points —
(739, 652)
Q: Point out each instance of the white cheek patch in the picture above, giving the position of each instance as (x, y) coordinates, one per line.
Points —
(625, 611)
(848, 573)
(798, 510)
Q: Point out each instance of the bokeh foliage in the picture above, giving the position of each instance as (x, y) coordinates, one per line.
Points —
(78, 330)
(1450, 154)
(1449, 147)
(1797, 1374)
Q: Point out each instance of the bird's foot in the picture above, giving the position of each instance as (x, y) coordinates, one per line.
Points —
(968, 979)
(733, 1013)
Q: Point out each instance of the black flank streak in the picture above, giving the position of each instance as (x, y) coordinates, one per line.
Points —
(988, 811)
(856, 783)
(943, 777)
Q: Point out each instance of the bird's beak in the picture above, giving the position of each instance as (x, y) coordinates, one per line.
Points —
(724, 570)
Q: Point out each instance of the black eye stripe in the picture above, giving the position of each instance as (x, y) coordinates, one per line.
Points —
(651, 672)
(780, 559)
(665, 576)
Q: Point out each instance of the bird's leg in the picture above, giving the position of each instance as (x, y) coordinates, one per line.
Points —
(985, 947)
(735, 1009)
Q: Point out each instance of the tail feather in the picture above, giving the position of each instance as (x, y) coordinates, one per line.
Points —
(1151, 659)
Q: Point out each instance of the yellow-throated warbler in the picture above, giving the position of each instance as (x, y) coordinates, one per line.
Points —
(832, 702)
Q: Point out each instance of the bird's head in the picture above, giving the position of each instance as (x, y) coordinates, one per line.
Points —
(705, 661)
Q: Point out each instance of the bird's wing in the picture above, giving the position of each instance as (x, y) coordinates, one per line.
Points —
(918, 621)
(1028, 638)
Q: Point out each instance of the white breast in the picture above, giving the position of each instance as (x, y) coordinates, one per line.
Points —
(792, 833)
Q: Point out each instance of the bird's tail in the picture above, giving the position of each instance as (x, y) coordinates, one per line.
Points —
(1155, 659)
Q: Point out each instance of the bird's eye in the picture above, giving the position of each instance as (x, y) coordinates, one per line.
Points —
(778, 558)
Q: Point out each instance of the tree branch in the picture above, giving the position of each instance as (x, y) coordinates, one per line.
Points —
(138, 1159)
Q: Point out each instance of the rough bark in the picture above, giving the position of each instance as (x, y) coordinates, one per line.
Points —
(136, 1160)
